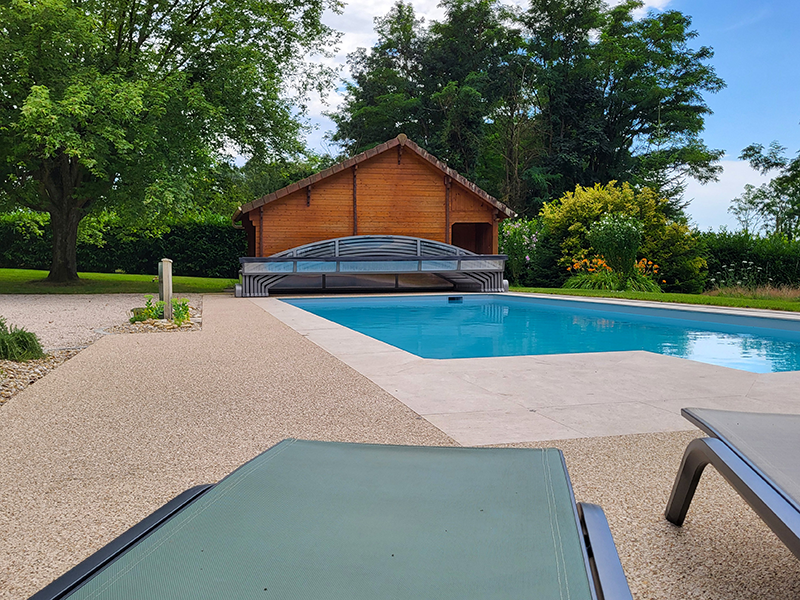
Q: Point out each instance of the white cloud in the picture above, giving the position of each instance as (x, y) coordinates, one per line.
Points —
(709, 203)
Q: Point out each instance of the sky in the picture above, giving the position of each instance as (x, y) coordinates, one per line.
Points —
(755, 52)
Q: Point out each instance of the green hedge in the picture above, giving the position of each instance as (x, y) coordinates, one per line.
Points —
(209, 248)
(732, 257)
(735, 257)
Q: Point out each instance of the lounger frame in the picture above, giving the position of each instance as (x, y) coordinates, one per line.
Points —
(767, 499)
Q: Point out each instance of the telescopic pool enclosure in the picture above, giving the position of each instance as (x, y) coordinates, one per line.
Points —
(373, 262)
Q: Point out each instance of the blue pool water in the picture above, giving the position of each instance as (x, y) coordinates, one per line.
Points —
(472, 326)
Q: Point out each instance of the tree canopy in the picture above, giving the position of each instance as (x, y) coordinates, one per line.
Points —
(773, 206)
(532, 103)
(136, 104)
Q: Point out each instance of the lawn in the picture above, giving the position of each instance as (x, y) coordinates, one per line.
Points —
(738, 302)
(23, 281)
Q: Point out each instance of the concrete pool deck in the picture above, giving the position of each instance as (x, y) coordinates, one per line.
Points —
(506, 400)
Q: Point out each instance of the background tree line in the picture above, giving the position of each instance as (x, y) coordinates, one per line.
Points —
(134, 108)
(529, 104)
(128, 114)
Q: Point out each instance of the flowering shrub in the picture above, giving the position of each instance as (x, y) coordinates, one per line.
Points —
(518, 240)
(647, 268)
(595, 274)
(617, 238)
(595, 265)
(673, 245)
(613, 281)
(745, 274)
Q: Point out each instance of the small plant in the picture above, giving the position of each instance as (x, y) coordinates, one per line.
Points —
(150, 310)
(647, 268)
(155, 310)
(595, 265)
(180, 311)
(138, 314)
(17, 344)
(595, 274)
(612, 281)
(616, 237)
(599, 280)
(740, 275)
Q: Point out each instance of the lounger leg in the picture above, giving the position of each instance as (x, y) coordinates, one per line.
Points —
(775, 510)
(695, 459)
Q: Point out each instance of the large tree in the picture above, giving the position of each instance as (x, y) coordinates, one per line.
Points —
(531, 104)
(134, 104)
(619, 98)
(437, 84)
(773, 206)
(385, 95)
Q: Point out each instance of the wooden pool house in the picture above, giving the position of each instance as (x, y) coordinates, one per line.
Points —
(394, 200)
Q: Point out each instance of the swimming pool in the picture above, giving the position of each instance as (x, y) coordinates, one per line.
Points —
(482, 325)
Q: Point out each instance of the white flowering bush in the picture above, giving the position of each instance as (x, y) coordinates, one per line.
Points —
(518, 240)
(617, 237)
(743, 274)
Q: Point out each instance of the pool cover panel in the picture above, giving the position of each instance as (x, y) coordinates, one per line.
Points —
(349, 521)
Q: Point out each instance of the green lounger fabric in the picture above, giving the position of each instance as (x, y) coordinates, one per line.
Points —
(349, 521)
(768, 442)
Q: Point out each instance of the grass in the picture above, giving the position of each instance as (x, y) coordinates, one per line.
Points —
(709, 299)
(24, 281)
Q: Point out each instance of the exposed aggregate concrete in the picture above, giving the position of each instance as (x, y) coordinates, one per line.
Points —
(723, 550)
(133, 420)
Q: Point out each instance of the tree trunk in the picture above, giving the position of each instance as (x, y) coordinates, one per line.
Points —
(60, 179)
(65, 243)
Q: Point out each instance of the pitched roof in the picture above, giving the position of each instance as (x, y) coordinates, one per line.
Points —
(400, 140)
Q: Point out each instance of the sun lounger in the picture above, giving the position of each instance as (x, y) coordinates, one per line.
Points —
(759, 455)
(347, 521)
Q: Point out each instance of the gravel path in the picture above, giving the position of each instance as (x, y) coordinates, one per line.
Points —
(65, 324)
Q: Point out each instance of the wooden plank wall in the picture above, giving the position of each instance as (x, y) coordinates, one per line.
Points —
(296, 219)
(392, 199)
(401, 199)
